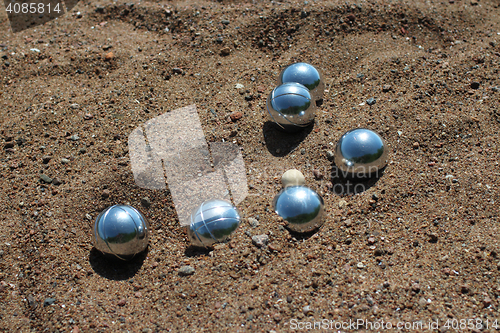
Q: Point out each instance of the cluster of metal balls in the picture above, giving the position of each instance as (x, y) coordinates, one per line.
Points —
(122, 232)
(360, 153)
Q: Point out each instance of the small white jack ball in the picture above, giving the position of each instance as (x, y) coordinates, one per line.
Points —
(293, 177)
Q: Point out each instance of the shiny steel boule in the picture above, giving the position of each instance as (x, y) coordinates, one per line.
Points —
(212, 222)
(301, 207)
(306, 75)
(121, 231)
(291, 107)
(361, 153)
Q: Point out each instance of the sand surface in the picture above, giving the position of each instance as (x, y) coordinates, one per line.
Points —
(418, 244)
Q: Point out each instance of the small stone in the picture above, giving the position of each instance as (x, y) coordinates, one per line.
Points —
(433, 238)
(253, 222)
(31, 301)
(88, 116)
(225, 51)
(386, 284)
(74, 106)
(8, 145)
(342, 204)
(416, 145)
(46, 159)
(289, 299)
(83, 150)
(225, 22)
(177, 70)
(106, 47)
(239, 86)
(48, 301)
(317, 174)
(186, 270)
(370, 101)
(109, 56)
(422, 302)
(146, 202)
(56, 182)
(236, 116)
(474, 85)
(293, 177)
(386, 88)
(74, 137)
(372, 240)
(303, 151)
(464, 289)
(105, 194)
(307, 310)
(486, 302)
(415, 287)
(122, 302)
(64, 161)
(46, 179)
(474, 2)
(360, 265)
(260, 240)
(330, 155)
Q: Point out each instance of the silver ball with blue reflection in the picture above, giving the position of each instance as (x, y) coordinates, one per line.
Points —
(361, 153)
(120, 231)
(291, 107)
(306, 75)
(301, 207)
(213, 221)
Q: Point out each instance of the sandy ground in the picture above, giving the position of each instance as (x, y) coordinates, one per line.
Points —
(418, 245)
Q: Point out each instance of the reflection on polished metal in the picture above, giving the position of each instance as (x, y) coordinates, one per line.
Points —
(290, 106)
(213, 221)
(121, 231)
(301, 207)
(305, 74)
(361, 153)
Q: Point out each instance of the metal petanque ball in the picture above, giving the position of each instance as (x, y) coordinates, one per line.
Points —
(121, 231)
(213, 221)
(301, 207)
(291, 107)
(361, 153)
(306, 75)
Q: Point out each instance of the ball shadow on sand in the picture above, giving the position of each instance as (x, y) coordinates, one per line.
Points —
(195, 251)
(280, 143)
(115, 269)
(344, 184)
(303, 235)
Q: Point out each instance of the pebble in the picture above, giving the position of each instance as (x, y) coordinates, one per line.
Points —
(317, 174)
(225, 51)
(83, 150)
(307, 310)
(293, 177)
(105, 194)
(342, 204)
(370, 101)
(186, 270)
(64, 161)
(260, 240)
(46, 159)
(122, 302)
(56, 181)
(146, 202)
(236, 116)
(416, 145)
(386, 88)
(46, 179)
(48, 301)
(239, 86)
(109, 56)
(360, 265)
(88, 116)
(303, 151)
(474, 85)
(253, 222)
(330, 155)
(74, 137)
